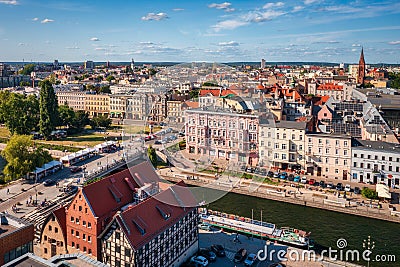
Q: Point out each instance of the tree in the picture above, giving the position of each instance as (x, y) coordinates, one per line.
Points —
(194, 93)
(21, 158)
(28, 69)
(151, 153)
(369, 193)
(80, 120)
(48, 109)
(24, 83)
(105, 89)
(100, 121)
(110, 78)
(66, 116)
(18, 112)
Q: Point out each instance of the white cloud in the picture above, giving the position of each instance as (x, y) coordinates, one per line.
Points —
(309, 2)
(355, 45)
(271, 5)
(9, 2)
(100, 49)
(35, 19)
(21, 44)
(47, 21)
(297, 8)
(394, 42)
(230, 43)
(154, 16)
(263, 16)
(72, 47)
(229, 25)
(94, 39)
(226, 6)
(178, 9)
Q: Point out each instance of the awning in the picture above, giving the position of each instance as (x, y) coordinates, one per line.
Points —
(383, 191)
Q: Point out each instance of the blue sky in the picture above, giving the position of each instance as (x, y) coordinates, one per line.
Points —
(214, 31)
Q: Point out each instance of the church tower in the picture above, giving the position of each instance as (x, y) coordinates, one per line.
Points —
(361, 68)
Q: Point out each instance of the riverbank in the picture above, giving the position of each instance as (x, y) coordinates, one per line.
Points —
(304, 197)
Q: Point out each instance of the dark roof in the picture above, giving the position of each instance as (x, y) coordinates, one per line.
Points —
(62, 219)
(143, 222)
(377, 145)
(115, 191)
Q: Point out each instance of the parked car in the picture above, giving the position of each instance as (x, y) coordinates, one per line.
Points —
(339, 187)
(205, 226)
(276, 175)
(357, 190)
(251, 258)
(49, 182)
(290, 177)
(296, 178)
(208, 254)
(219, 250)
(263, 172)
(75, 168)
(303, 180)
(283, 175)
(311, 182)
(322, 184)
(329, 185)
(347, 188)
(270, 174)
(163, 124)
(181, 134)
(200, 259)
(240, 255)
(157, 142)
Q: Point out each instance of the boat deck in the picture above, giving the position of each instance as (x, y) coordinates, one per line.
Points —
(264, 228)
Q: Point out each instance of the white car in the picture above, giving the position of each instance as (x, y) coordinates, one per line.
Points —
(200, 260)
(303, 180)
(251, 258)
(347, 188)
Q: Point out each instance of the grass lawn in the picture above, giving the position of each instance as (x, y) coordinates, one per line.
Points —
(133, 129)
(81, 140)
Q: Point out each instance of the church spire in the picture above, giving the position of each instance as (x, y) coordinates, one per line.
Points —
(361, 68)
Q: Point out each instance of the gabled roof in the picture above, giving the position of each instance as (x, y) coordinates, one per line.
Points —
(62, 219)
(108, 195)
(216, 92)
(190, 104)
(330, 86)
(141, 223)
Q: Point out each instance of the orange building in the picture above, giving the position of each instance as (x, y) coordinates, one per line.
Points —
(53, 235)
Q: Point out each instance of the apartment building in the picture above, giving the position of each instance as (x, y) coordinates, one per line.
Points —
(118, 105)
(97, 104)
(328, 155)
(375, 162)
(75, 100)
(160, 231)
(222, 134)
(339, 91)
(282, 144)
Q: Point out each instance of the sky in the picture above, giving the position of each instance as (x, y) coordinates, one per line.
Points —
(211, 31)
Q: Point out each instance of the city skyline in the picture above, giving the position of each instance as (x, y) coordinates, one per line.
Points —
(295, 31)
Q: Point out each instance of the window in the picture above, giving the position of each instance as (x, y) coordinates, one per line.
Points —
(77, 246)
(89, 225)
(55, 229)
(50, 228)
(355, 155)
(319, 141)
(301, 137)
(80, 208)
(73, 244)
(90, 251)
(362, 156)
(127, 252)
(336, 161)
(45, 250)
(345, 152)
(390, 159)
(118, 248)
(77, 221)
(368, 156)
(293, 136)
(84, 223)
(89, 239)
(355, 164)
(345, 143)
(336, 171)
(72, 231)
(77, 234)
(45, 238)
(84, 236)
(84, 249)
(117, 235)
(383, 158)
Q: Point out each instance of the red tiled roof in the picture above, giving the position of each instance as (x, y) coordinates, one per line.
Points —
(330, 86)
(216, 92)
(141, 223)
(191, 104)
(108, 195)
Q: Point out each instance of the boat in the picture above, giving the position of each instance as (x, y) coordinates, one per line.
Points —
(284, 235)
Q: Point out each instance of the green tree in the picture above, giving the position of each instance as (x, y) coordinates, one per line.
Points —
(110, 78)
(369, 193)
(80, 120)
(24, 83)
(151, 153)
(66, 116)
(194, 93)
(105, 89)
(100, 121)
(48, 109)
(28, 69)
(19, 112)
(21, 157)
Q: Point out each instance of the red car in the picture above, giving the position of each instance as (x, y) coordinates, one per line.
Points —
(311, 182)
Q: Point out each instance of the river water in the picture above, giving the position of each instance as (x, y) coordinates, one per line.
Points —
(326, 226)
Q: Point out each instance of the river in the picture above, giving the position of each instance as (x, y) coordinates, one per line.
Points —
(326, 226)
